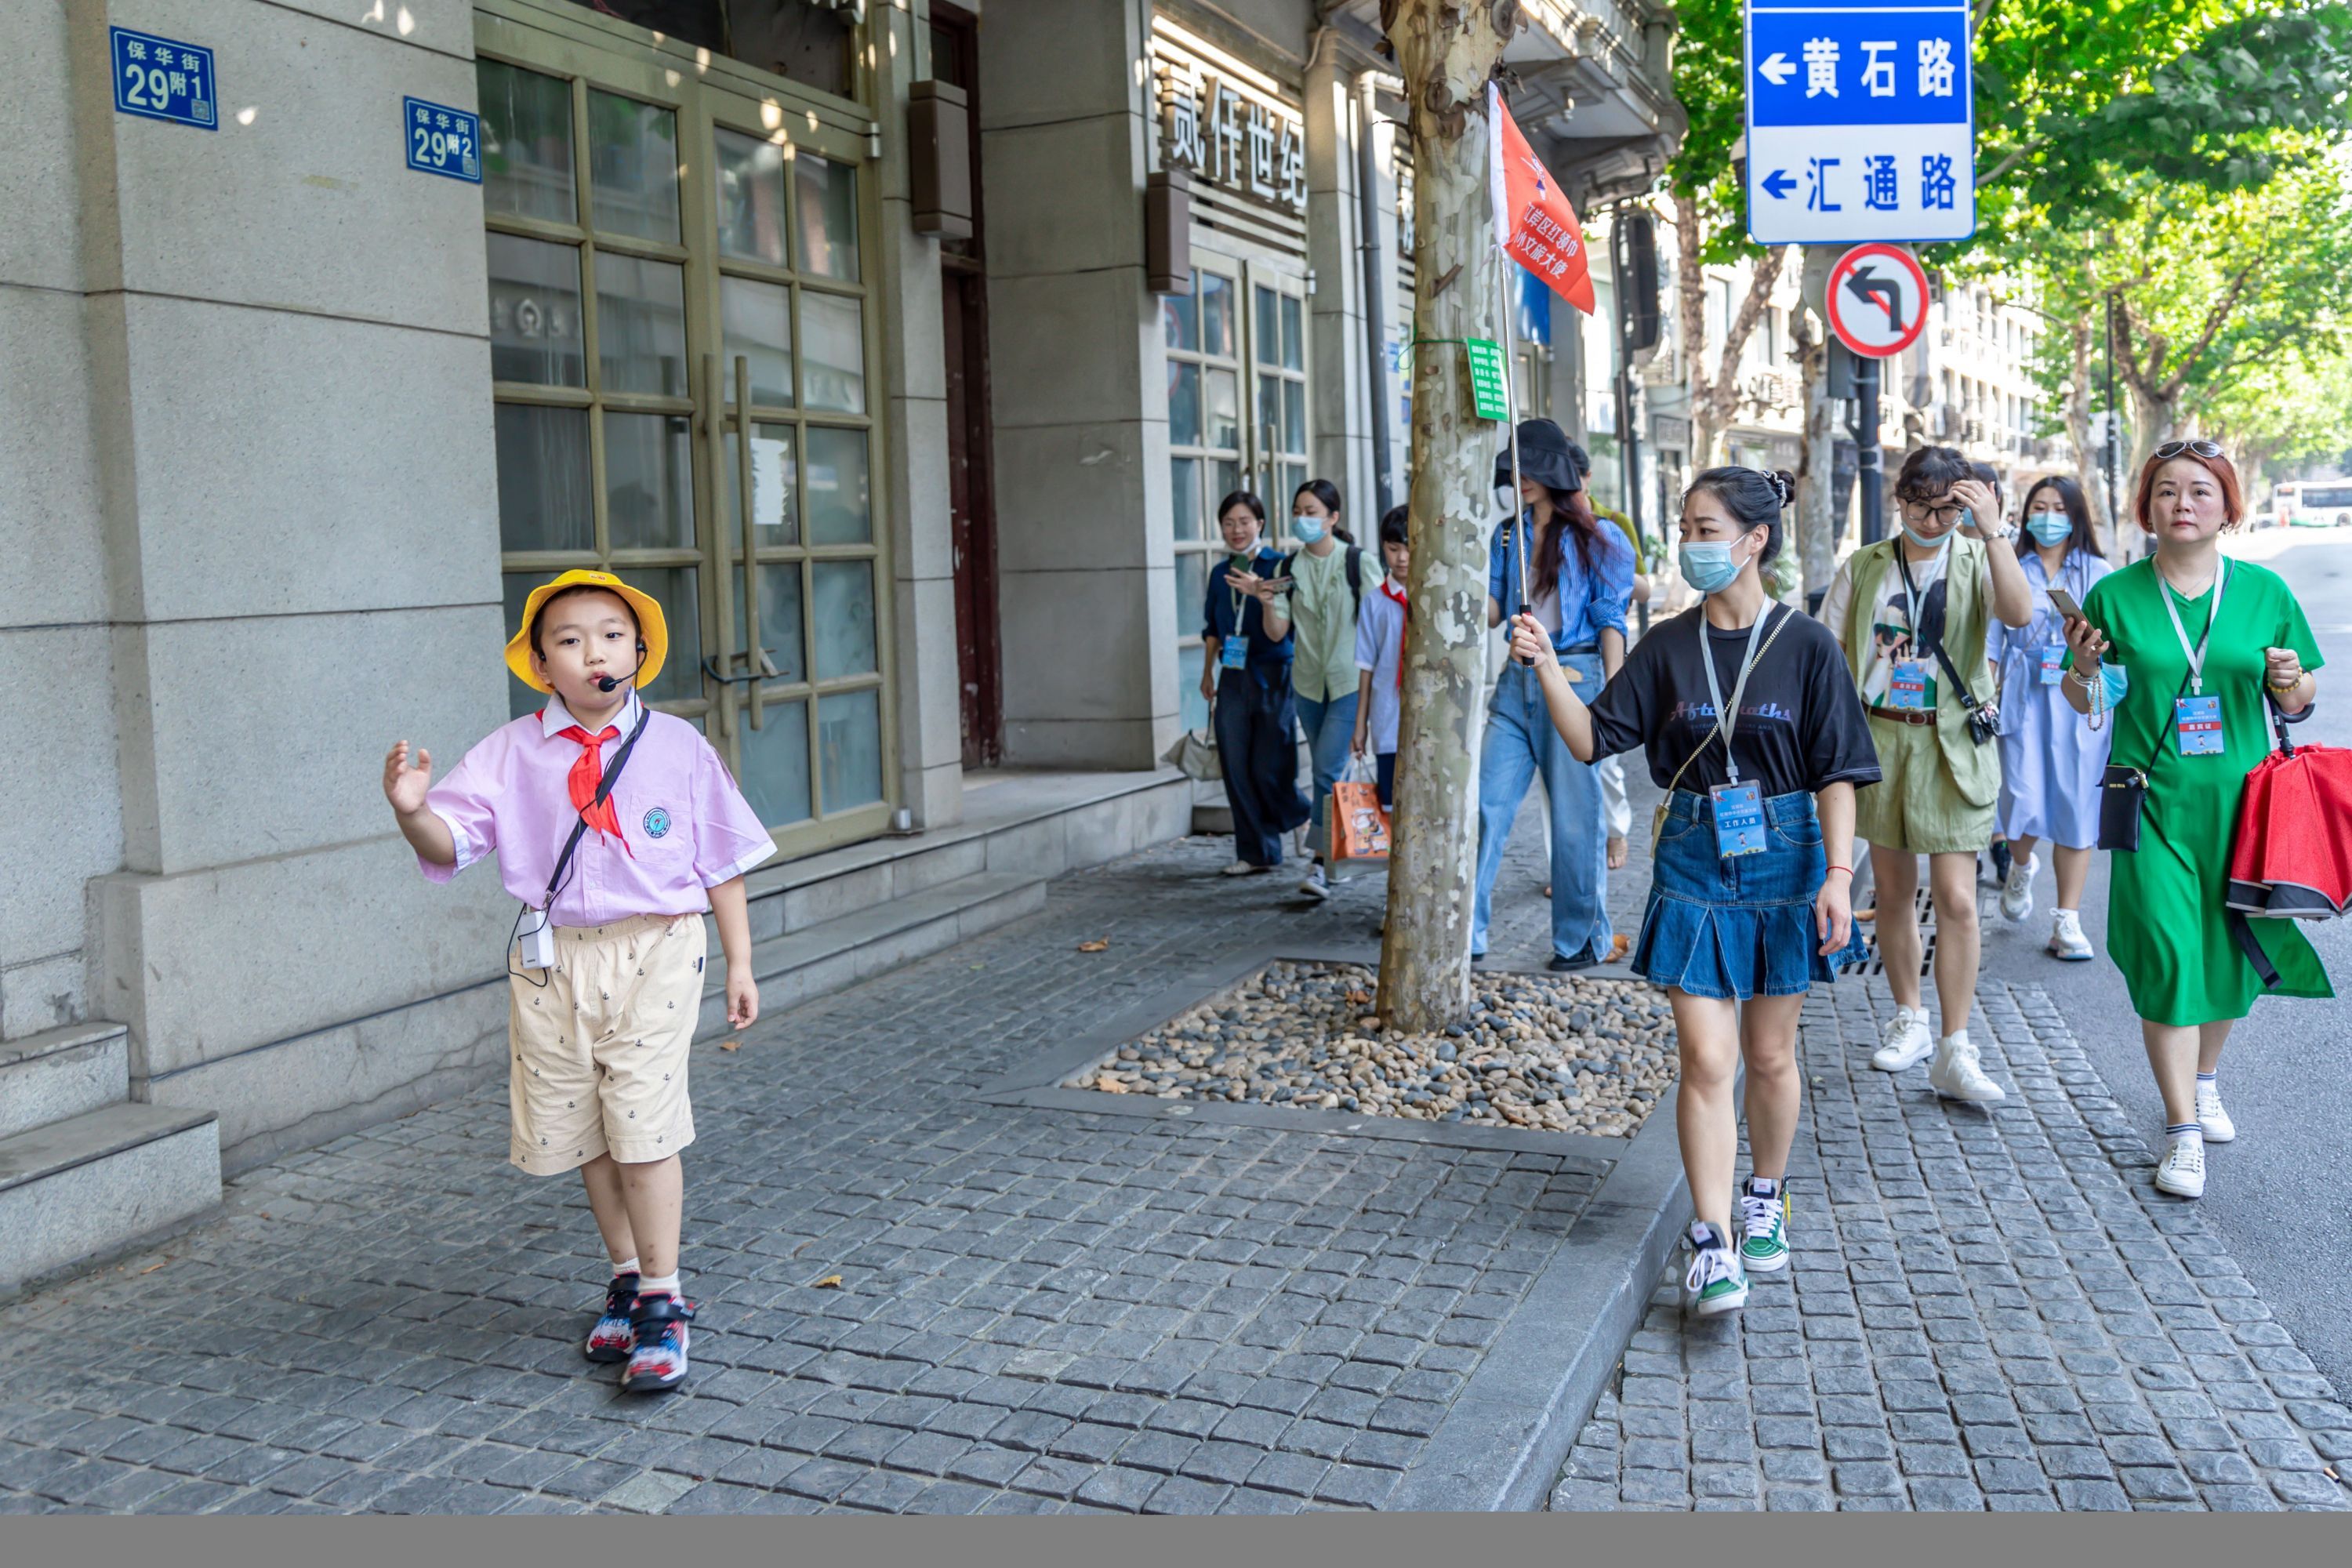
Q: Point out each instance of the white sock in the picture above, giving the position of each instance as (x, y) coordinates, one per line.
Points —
(2209, 1079)
(657, 1285)
(1957, 1040)
(1910, 1015)
(2186, 1132)
(628, 1268)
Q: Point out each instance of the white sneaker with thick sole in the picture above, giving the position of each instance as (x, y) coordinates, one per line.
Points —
(1908, 1042)
(2017, 893)
(2182, 1174)
(1243, 868)
(1316, 886)
(2211, 1119)
(1958, 1075)
(2067, 943)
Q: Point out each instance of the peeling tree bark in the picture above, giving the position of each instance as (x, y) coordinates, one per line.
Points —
(1715, 396)
(2078, 436)
(1445, 52)
(1817, 473)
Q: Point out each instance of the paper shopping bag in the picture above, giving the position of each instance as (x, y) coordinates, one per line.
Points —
(1360, 828)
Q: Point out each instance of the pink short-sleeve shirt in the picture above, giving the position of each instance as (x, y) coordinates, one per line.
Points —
(685, 826)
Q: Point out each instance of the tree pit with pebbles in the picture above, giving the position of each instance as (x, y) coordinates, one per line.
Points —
(1558, 1053)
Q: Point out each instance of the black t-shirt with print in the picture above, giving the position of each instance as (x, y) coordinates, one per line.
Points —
(1800, 722)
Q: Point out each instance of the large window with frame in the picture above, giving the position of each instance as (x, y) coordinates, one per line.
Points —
(680, 351)
(1237, 419)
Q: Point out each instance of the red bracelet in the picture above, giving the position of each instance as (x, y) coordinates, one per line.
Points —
(1847, 869)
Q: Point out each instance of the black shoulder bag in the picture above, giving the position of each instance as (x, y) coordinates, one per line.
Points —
(563, 860)
(1984, 719)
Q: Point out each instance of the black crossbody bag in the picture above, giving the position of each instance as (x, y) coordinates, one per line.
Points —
(1984, 719)
(2122, 791)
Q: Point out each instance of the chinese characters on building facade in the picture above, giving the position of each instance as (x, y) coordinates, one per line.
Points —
(1221, 134)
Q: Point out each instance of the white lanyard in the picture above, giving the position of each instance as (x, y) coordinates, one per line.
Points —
(1910, 599)
(2212, 618)
(1727, 715)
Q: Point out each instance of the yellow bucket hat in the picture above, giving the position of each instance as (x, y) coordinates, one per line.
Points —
(651, 627)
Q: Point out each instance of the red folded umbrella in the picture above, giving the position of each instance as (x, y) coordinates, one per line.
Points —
(2292, 857)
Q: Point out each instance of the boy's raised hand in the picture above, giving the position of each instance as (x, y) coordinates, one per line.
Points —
(403, 785)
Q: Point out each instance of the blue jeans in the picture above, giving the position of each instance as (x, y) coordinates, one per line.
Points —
(1520, 742)
(1330, 726)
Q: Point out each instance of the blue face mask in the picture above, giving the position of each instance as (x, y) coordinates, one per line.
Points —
(1708, 565)
(1927, 541)
(2050, 527)
(1307, 530)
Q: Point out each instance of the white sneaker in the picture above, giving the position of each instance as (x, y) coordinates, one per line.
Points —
(2211, 1120)
(2067, 941)
(2182, 1174)
(1243, 868)
(2017, 893)
(1908, 1044)
(1316, 886)
(1957, 1075)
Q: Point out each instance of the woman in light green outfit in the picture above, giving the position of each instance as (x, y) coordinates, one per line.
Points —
(1328, 582)
(2189, 628)
(1934, 584)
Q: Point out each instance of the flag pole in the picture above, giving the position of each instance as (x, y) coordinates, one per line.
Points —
(1511, 418)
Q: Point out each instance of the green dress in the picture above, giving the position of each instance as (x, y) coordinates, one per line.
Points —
(2165, 925)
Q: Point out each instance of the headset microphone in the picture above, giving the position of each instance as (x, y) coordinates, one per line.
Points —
(611, 682)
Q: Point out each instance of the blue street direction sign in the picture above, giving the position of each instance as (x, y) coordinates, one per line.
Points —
(1861, 121)
(443, 140)
(162, 79)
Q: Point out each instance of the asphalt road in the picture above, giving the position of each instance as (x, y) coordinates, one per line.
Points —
(2281, 1194)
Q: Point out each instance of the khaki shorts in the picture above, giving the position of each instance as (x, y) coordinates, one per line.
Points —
(600, 1050)
(1916, 805)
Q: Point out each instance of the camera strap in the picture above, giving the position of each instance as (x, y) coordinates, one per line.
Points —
(1936, 644)
(603, 788)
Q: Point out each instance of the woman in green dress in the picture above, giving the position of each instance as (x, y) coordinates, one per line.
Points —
(2199, 638)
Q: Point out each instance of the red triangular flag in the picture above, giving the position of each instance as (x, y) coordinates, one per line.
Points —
(1533, 221)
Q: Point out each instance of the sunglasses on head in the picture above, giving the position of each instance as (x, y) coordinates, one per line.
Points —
(2172, 449)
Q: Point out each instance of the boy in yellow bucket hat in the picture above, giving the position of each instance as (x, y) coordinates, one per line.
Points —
(617, 826)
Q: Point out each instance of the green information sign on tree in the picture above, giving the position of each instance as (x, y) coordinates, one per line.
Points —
(1486, 395)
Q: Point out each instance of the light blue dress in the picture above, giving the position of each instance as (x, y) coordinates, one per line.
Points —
(2049, 759)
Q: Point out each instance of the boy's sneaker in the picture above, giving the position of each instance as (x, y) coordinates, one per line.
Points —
(2182, 1174)
(1316, 886)
(658, 1362)
(1765, 1218)
(2211, 1119)
(2017, 888)
(612, 1339)
(1715, 1282)
(2067, 941)
(1908, 1041)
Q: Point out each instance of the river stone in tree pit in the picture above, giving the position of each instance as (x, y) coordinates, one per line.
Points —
(1565, 1053)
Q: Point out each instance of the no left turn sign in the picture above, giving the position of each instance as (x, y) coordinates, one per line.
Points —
(1878, 299)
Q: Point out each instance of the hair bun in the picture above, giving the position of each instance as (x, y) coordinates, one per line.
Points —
(1784, 485)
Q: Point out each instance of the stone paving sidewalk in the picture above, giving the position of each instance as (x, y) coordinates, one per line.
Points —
(1984, 1311)
(1038, 1310)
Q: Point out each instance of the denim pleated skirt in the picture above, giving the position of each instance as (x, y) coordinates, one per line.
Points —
(1743, 926)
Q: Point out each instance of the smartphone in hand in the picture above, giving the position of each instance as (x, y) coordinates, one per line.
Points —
(2068, 605)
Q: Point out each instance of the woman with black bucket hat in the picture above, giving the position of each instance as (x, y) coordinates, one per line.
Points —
(1575, 575)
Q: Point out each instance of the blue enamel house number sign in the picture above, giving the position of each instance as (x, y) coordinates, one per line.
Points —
(162, 79)
(443, 140)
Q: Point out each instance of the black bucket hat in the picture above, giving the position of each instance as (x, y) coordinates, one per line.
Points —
(1546, 456)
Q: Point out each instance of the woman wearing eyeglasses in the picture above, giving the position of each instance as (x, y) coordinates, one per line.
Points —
(1914, 614)
(2200, 638)
(2051, 759)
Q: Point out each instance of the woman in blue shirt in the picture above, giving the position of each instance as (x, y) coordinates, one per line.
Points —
(1246, 675)
(1579, 575)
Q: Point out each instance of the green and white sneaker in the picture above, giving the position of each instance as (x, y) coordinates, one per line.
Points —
(1765, 1216)
(1715, 1283)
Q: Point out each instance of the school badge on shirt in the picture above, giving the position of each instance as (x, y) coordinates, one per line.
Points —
(656, 823)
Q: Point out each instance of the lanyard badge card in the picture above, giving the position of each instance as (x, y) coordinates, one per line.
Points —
(2197, 716)
(1234, 652)
(2054, 663)
(535, 928)
(1738, 807)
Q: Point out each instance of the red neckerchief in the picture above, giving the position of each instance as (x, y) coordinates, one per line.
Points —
(1399, 600)
(587, 773)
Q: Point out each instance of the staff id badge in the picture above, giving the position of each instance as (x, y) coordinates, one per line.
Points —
(1234, 653)
(2199, 720)
(1738, 820)
(2054, 663)
(1907, 688)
